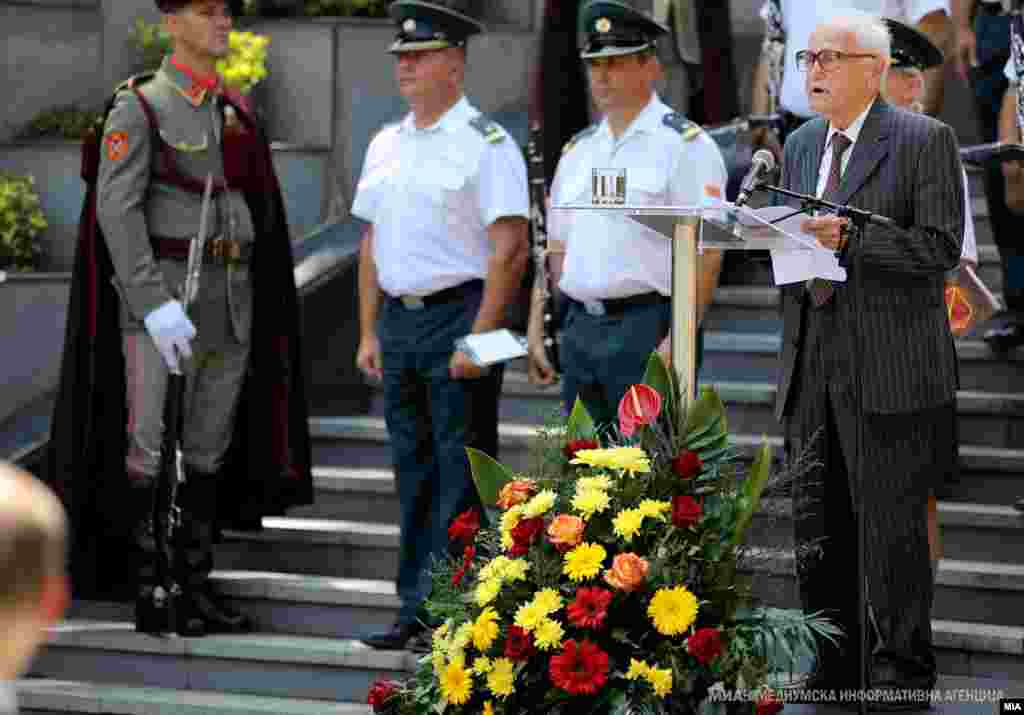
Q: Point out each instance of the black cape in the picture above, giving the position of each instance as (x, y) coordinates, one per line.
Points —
(267, 468)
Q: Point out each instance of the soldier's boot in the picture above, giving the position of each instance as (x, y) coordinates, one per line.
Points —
(198, 501)
(157, 603)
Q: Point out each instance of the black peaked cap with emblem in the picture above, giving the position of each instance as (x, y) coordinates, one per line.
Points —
(611, 28)
(911, 48)
(429, 26)
(175, 5)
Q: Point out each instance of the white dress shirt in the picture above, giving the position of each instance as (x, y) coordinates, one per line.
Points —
(852, 133)
(8, 698)
(608, 255)
(801, 17)
(431, 194)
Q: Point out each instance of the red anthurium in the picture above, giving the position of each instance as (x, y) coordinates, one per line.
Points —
(640, 406)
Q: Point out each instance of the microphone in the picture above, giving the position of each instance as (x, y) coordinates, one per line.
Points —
(763, 163)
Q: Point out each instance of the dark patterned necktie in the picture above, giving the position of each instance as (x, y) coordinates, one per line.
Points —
(821, 289)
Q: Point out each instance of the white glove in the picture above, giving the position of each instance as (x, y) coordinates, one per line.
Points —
(171, 330)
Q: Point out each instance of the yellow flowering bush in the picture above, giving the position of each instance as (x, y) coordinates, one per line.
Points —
(246, 63)
(609, 581)
(21, 222)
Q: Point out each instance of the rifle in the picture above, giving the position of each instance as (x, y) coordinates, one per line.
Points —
(166, 515)
(538, 221)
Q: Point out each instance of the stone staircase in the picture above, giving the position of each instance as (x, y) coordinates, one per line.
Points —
(320, 578)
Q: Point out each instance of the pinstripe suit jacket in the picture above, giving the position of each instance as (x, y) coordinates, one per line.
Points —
(904, 166)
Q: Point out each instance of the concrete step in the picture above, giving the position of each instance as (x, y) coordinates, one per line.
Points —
(988, 419)
(110, 652)
(754, 357)
(989, 475)
(288, 603)
(961, 647)
(43, 696)
(977, 591)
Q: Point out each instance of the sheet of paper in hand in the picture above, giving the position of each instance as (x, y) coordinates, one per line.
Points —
(493, 347)
(969, 302)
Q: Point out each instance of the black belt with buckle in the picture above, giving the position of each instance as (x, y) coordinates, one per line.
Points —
(446, 295)
(216, 250)
(618, 306)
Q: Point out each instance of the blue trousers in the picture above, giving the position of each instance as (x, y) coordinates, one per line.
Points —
(431, 419)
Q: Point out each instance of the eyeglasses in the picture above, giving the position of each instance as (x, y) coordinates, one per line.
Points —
(827, 59)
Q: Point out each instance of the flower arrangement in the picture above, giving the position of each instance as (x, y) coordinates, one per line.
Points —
(21, 221)
(611, 578)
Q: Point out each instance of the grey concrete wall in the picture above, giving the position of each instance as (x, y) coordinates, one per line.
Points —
(51, 56)
(33, 311)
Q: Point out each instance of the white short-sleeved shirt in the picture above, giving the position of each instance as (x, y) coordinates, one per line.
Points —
(801, 17)
(432, 193)
(1010, 70)
(607, 254)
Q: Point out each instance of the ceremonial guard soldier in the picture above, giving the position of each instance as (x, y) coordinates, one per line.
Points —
(616, 273)
(245, 434)
(445, 193)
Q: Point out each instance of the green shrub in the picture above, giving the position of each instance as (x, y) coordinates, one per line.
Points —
(65, 122)
(347, 8)
(21, 221)
(154, 42)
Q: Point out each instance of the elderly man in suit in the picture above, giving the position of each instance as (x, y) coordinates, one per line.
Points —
(34, 589)
(865, 153)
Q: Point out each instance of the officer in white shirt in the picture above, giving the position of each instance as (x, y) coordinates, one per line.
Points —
(615, 273)
(445, 193)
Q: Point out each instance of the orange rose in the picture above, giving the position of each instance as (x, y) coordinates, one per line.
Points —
(566, 531)
(515, 493)
(628, 571)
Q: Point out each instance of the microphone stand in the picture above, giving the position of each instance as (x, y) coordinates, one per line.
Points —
(859, 219)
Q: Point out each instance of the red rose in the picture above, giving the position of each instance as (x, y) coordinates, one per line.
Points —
(686, 511)
(580, 668)
(524, 533)
(590, 608)
(705, 645)
(768, 704)
(575, 445)
(519, 644)
(380, 693)
(464, 527)
(687, 464)
(640, 406)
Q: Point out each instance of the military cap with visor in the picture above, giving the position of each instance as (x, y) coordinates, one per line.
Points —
(911, 48)
(429, 26)
(611, 28)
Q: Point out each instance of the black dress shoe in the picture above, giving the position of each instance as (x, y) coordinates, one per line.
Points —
(1004, 333)
(396, 638)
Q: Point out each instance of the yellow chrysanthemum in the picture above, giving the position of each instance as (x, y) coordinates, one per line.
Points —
(548, 634)
(673, 610)
(487, 591)
(485, 629)
(515, 570)
(482, 665)
(653, 508)
(592, 457)
(501, 679)
(439, 641)
(488, 708)
(511, 518)
(462, 637)
(539, 505)
(627, 523)
(529, 616)
(661, 680)
(602, 481)
(548, 601)
(590, 501)
(439, 664)
(584, 561)
(637, 669)
(456, 684)
(632, 460)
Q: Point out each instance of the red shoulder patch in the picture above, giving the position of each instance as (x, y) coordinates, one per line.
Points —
(117, 145)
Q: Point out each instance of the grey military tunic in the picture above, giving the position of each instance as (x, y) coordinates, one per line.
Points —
(135, 208)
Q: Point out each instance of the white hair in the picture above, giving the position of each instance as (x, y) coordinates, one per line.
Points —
(869, 32)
